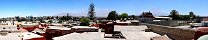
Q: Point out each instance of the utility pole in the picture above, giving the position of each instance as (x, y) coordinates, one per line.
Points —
(67, 16)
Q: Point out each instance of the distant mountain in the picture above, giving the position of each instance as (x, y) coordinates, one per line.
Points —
(104, 13)
(158, 12)
(99, 13)
(71, 14)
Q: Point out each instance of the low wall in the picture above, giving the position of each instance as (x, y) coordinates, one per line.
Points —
(171, 23)
(173, 33)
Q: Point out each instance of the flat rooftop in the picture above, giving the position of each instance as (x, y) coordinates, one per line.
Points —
(129, 32)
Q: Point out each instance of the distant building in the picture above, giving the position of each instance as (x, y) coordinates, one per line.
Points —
(162, 18)
(202, 18)
(146, 17)
(8, 27)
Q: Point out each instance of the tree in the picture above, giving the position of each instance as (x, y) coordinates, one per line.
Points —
(132, 16)
(84, 22)
(63, 18)
(91, 12)
(74, 19)
(112, 15)
(124, 15)
(17, 18)
(50, 21)
(184, 17)
(192, 15)
(23, 19)
(30, 18)
(49, 17)
(174, 14)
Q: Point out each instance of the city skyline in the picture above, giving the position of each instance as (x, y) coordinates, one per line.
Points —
(11, 8)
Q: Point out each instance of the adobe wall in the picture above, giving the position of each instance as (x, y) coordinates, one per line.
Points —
(173, 33)
(172, 23)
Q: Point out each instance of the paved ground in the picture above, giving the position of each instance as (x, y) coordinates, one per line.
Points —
(130, 28)
(129, 32)
(135, 32)
(184, 27)
(85, 36)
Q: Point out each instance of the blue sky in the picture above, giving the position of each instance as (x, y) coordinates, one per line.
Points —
(10, 8)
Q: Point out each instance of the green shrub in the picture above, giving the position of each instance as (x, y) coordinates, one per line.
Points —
(84, 22)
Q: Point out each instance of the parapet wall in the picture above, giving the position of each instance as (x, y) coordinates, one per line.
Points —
(171, 23)
(173, 33)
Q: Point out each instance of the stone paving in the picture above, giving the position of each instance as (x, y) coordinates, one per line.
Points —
(129, 32)
(135, 32)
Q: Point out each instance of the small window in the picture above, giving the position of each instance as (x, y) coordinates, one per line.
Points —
(4, 28)
(205, 24)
